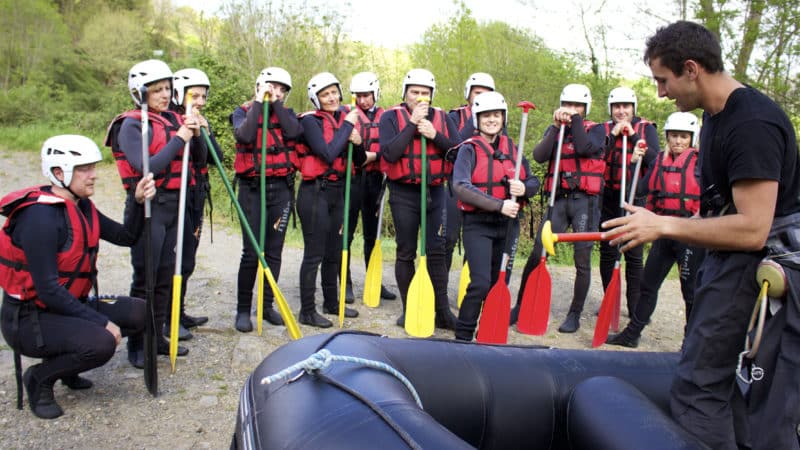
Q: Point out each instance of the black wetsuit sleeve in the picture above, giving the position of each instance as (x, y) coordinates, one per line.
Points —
(40, 231)
(585, 146)
(130, 141)
(393, 140)
(314, 138)
(544, 149)
(126, 234)
(462, 182)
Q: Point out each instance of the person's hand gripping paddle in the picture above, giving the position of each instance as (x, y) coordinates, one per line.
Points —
(177, 277)
(610, 306)
(534, 313)
(493, 323)
(420, 310)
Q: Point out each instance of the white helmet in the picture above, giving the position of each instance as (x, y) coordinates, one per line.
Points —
(683, 121)
(621, 95)
(186, 78)
(67, 151)
(478, 79)
(144, 73)
(319, 82)
(366, 82)
(275, 75)
(577, 93)
(419, 77)
(489, 101)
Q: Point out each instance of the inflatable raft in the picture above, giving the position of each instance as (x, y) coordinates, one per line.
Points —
(365, 392)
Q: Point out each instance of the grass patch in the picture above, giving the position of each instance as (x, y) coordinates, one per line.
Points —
(30, 137)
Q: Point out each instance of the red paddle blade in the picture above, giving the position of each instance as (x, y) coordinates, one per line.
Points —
(493, 324)
(615, 313)
(606, 309)
(534, 314)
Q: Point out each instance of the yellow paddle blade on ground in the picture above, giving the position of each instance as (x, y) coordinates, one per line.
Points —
(420, 311)
(342, 287)
(463, 283)
(283, 306)
(372, 282)
(175, 319)
(260, 301)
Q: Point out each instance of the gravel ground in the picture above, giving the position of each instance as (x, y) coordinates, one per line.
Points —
(197, 404)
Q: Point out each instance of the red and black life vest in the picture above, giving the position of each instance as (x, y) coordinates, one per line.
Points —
(576, 172)
(311, 165)
(674, 190)
(369, 131)
(76, 262)
(464, 116)
(164, 127)
(613, 173)
(493, 168)
(281, 157)
(409, 167)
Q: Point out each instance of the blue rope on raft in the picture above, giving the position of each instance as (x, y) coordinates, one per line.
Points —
(323, 358)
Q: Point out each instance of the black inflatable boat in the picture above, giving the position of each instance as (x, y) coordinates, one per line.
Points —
(472, 396)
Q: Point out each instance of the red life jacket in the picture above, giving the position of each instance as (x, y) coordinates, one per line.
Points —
(281, 158)
(674, 190)
(613, 173)
(76, 262)
(493, 168)
(576, 172)
(369, 131)
(164, 127)
(408, 168)
(311, 165)
(464, 116)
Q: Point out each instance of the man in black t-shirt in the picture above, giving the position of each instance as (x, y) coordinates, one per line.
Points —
(750, 183)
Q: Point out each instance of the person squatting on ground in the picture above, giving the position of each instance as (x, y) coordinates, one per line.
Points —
(366, 184)
(402, 129)
(673, 190)
(194, 82)
(280, 165)
(577, 198)
(483, 181)
(622, 107)
(49, 247)
(167, 134)
(749, 184)
(328, 131)
(477, 83)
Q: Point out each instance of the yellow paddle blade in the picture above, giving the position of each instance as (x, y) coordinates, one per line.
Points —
(420, 311)
(283, 307)
(463, 283)
(372, 282)
(342, 287)
(175, 319)
(260, 301)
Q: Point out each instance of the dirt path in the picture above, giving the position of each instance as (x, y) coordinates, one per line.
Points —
(197, 405)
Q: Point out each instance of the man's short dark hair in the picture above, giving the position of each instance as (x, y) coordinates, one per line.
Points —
(681, 41)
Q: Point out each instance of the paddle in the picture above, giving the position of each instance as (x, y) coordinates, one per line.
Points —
(420, 310)
(262, 224)
(177, 278)
(534, 313)
(280, 300)
(374, 277)
(150, 344)
(348, 171)
(463, 283)
(549, 238)
(493, 323)
(610, 306)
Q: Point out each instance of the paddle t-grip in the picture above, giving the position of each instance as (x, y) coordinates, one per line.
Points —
(526, 105)
(771, 272)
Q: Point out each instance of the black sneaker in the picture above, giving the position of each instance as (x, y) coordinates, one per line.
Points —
(40, 396)
(243, 322)
(136, 358)
(183, 333)
(571, 323)
(191, 322)
(273, 317)
(314, 319)
(348, 312)
(163, 349)
(76, 382)
(626, 338)
(387, 294)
